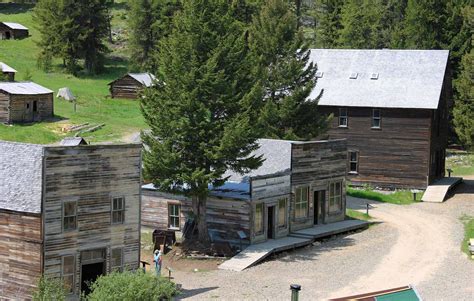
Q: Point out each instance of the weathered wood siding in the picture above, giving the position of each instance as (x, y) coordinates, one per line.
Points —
(22, 107)
(14, 33)
(396, 155)
(91, 176)
(317, 164)
(155, 208)
(125, 87)
(20, 254)
(4, 107)
(269, 190)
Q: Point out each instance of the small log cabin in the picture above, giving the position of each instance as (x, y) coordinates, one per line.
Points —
(130, 85)
(8, 73)
(70, 213)
(10, 30)
(299, 185)
(23, 102)
(393, 107)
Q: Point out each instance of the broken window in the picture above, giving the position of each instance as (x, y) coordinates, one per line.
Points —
(67, 273)
(173, 216)
(301, 202)
(69, 216)
(118, 210)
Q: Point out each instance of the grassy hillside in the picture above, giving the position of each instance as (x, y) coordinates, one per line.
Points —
(121, 117)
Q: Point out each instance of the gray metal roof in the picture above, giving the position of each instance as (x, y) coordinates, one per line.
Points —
(15, 25)
(73, 141)
(406, 78)
(23, 88)
(144, 78)
(277, 159)
(20, 176)
(5, 68)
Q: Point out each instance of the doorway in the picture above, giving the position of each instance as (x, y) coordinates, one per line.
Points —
(319, 202)
(270, 224)
(8, 35)
(92, 266)
(28, 114)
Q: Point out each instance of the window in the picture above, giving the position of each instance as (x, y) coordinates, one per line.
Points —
(353, 162)
(116, 263)
(376, 118)
(301, 202)
(67, 273)
(35, 106)
(118, 210)
(342, 117)
(353, 75)
(173, 216)
(258, 219)
(69, 216)
(335, 197)
(282, 213)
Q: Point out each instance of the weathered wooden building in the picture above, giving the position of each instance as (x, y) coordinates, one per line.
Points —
(71, 213)
(130, 85)
(7, 72)
(299, 185)
(392, 106)
(10, 30)
(25, 102)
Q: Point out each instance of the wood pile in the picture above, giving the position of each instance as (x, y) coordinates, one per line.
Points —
(83, 128)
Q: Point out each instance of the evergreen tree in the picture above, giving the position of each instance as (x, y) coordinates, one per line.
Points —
(328, 22)
(200, 109)
(282, 60)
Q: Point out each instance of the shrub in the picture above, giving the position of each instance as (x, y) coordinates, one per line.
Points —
(131, 286)
(49, 289)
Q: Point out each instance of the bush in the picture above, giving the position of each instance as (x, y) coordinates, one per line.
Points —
(131, 286)
(49, 289)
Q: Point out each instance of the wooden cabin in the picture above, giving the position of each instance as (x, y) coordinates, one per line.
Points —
(130, 85)
(10, 30)
(299, 185)
(393, 107)
(70, 213)
(22, 102)
(7, 72)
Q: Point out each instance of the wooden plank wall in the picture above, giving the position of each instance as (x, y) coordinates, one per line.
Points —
(155, 208)
(125, 87)
(397, 155)
(20, 254)
(18, 107)
(316, 164)
(92, 176)
(4, 107)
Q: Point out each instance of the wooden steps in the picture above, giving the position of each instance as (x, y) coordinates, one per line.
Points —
(436, 192)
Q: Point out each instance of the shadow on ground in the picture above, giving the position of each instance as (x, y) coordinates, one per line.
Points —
(194, 292)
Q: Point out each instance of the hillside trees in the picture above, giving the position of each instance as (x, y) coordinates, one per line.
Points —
(72, 30)
(328, 18)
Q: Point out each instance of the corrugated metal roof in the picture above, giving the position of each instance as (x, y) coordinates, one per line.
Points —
(5, 68)
(23, 88)
(144, 78)
(15, 25)
(73, 141)
(406, 78)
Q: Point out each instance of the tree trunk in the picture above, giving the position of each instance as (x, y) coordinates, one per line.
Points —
(199, 209)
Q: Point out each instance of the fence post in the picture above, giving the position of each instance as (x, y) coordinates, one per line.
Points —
(295, 290)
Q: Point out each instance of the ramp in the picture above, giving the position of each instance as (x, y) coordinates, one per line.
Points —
(326, 230)
(257, 252)
(436, 192)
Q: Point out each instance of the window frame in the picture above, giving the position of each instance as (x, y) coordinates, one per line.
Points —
(285, 207)
(299, 203)
(112, 266)
(122, 210)
(356, 162)
(332, 196)
(343, 117)
(72, 274)
(379, 118)
(64, 216)
(262, 216)
(174, 216)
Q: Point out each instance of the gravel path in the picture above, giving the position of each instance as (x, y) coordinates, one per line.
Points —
(417, 244)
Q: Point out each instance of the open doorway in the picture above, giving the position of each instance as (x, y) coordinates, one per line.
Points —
(8, 35)
(319, 201)
(92, 266)
(270, 223)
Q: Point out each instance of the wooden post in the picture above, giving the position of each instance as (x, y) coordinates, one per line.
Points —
(295, 290)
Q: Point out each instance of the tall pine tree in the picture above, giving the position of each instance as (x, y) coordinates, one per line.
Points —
(200, 110)
(328, 22)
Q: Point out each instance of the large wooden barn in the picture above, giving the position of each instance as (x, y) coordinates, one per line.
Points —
(7, 72)
(10, 30)
(392, 106)
(299, 185)
(25, 102)
(70, 213)
(130, 85)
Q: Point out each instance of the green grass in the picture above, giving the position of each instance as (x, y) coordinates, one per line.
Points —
(468, 222)
(121, 117)
(399, 197)
(357, 215)
(461, 163)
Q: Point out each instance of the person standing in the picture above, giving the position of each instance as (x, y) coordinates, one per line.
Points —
(157, 259)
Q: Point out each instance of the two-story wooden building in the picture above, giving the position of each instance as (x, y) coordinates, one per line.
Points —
(71, 213)
(299, 185)
(392, 106)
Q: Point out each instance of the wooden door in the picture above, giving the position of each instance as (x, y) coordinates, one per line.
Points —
(28, 113)
(319, 206)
